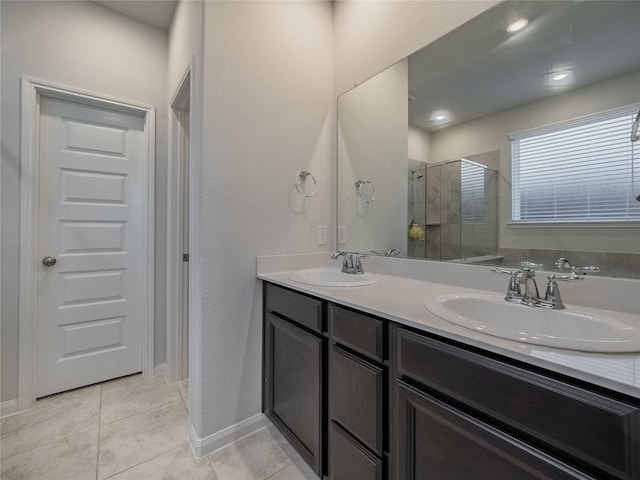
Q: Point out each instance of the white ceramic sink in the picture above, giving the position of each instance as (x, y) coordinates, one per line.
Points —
(331, 277)
(574, 328)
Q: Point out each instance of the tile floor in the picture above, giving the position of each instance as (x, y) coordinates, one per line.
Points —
(131, 428)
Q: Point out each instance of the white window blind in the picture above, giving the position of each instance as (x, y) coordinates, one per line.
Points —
(472, 193)
(577, 171)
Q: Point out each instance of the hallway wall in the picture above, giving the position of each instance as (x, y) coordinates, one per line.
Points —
(267, 114)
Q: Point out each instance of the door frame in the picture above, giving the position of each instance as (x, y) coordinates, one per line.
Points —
(32, 91)
(182, 97)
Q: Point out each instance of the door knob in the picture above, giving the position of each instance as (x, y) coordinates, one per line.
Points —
(49, 261)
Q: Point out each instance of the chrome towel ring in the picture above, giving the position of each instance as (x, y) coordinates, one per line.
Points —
(367, 194)
(301, 184)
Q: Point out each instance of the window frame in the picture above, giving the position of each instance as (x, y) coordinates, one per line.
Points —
(577, 221)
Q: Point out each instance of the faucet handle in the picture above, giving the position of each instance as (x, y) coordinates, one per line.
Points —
(584, 270)
(357, 264)
(505, 271)
(531, 265)
(513, 289)
(552, 298)
(564, 264)
(567, 278)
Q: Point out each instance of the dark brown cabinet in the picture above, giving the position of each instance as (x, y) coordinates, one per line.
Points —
(294, 371)
(452, 399)
(349, 460)
(440, 442)
(363, 398)
(357, 396)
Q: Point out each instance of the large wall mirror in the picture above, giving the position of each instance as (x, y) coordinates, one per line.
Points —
(507, 140)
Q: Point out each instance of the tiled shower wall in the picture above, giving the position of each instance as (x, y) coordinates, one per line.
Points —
(445, 236)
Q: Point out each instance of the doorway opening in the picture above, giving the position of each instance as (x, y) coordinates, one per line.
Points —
(178, 233)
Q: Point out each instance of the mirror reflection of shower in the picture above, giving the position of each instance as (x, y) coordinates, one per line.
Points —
(453, 209)
(417, 197)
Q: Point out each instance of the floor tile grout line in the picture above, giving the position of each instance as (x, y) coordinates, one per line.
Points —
(144, 388)
(291, 462)
(142, 463)
(48, 441)
(161, 405)
(184, 400)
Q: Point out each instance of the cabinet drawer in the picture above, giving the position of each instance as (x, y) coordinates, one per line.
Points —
(300, 308)
(356, 397)
(443, 443)
(362, 333)
(349, 461)
(575, 423)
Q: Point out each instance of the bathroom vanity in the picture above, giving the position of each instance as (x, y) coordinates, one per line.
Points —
(367, 392)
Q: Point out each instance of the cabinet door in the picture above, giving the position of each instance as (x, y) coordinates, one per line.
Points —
(436, 441)
(295, 364)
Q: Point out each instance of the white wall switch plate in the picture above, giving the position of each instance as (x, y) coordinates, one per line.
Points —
(342, 235)
(322, 235)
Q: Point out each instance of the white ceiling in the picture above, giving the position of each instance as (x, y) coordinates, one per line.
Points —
(479, 69)
(157, 13)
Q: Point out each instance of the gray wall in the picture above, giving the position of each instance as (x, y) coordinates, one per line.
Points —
(376, 109)
(268, 113)
(83, 45)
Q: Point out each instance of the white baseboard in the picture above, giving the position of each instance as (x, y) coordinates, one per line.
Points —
(160, 369)
(8, 408)
(204, 446)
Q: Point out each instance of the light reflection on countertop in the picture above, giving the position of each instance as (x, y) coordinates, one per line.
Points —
(402, 300)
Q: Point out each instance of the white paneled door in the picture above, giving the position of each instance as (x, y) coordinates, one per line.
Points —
(90, 244)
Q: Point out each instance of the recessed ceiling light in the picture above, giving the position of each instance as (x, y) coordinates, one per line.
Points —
(517, 25)
(559, 76)
(439, 117)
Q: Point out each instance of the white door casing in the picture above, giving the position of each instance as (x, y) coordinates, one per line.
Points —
(178, 227)
(89, 309)
(90, 316)
(184, 319)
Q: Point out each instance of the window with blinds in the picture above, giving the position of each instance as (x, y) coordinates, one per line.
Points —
(473, 203)
(582, 170)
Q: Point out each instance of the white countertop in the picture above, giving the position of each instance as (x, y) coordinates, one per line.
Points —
(402, 300)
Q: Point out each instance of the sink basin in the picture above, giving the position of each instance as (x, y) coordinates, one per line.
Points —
(574, 328)
(331, 277)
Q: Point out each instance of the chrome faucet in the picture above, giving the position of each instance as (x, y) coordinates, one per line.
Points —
(523, 288)
(527, 277)
(552, 298)
(391, 252)
(351, 262)
(564, 264)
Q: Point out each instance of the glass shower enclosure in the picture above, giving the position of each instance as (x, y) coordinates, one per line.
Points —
(453, 211)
